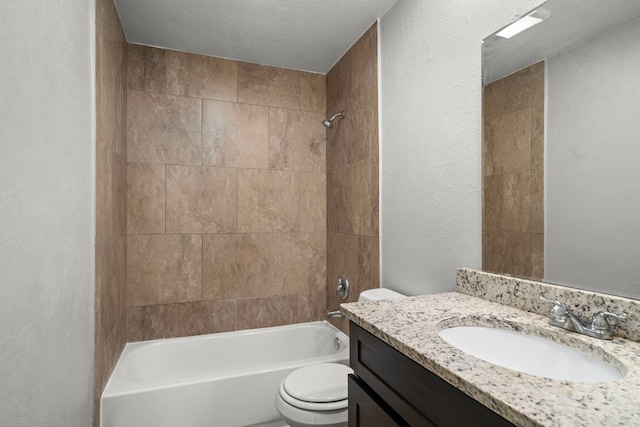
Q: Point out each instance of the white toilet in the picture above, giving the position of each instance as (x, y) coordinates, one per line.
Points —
(316, 395)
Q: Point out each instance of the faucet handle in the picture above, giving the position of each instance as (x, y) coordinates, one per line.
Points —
(555, 301)
(559, 309)
(599, 320)
(558, 314)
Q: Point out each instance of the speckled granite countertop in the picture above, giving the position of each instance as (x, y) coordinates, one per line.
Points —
(411, 326)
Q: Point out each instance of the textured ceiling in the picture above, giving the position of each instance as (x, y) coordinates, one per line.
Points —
(572, 22)
(308, 35)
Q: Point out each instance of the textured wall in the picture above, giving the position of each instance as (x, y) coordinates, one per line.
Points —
(431, 138)
(111, 178)
(226, 200)
(513, 174)
(47, 206)
(593, 202)
(352, 171)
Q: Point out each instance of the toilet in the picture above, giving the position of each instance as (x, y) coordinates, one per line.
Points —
(316, 395)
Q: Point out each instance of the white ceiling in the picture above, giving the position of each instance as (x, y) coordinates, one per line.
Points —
(572, 22)
(308, 35)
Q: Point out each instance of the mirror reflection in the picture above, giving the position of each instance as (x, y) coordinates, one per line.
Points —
(561, 145)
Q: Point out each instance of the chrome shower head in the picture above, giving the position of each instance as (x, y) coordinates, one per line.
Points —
(329, 122)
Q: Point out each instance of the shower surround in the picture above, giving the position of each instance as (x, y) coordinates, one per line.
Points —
(352, 172)
(226, 195)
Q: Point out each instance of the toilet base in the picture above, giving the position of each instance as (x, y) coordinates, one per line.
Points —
(296, 417)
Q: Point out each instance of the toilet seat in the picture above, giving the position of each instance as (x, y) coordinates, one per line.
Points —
(320, 387)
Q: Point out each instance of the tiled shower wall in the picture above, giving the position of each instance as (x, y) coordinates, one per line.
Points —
(352, 172)
(110, 287)
(226, 195)
(513, 169)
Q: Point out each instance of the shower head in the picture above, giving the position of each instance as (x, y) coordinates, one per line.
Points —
(329, 122)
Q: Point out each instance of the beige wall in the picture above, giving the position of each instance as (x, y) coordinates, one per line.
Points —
(225, 194)
(513, 179)
(352, 172)
(111, 218)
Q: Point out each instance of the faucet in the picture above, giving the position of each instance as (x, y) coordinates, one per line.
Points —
(598, 327)
(334, 313)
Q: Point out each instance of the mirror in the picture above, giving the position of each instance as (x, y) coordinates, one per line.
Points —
(569, 213)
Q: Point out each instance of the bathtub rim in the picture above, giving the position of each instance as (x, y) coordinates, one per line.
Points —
(127, 387)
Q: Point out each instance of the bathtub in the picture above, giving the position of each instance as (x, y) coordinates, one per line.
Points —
(226, 379)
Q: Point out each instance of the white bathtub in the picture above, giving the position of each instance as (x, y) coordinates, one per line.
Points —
(227, 379)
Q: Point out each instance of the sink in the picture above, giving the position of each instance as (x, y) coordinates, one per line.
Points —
(529, 354)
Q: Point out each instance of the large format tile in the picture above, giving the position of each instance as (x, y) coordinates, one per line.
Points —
(375, 196)
(297, 262)
(517, 91)
(508, 143)
(492, 103)
(145, 323)
(146, 69)
(342, 259)
(145, 198)
(313, 202)
(517, 202)
(364, 61)
(163, 129)
(368, 264)
(201, 76)
(263, 85)
(236, 266)
(358, 198)
(537, 256)
(198, 318)
(537, 116)
(312, 305)
(201, 199)
(507, 252)
(112, 78)
(104, 192)
(296, 140)
(264, 312)
(313, 92)
(493, 203)
(339, 81)
(119, 200)
(163, 269)
(537, 201)
(235, 135)
(337, 201)
(107, 296)
(268, 201)
(374, 137)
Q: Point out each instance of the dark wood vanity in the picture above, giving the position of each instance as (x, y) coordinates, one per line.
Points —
(389, 389)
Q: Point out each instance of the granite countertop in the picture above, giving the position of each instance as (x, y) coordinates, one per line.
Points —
(411, 326)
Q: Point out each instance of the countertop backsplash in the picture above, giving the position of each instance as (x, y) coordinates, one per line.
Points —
(525, 295)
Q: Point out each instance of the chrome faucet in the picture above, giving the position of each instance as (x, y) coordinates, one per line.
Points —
(334, 313)
(597, 327)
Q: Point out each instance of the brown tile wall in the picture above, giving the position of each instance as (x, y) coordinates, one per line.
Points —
(226, 195)
(111, 214)
(352, 172)
(513, 174)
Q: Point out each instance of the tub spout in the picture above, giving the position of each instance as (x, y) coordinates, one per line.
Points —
(334, 313)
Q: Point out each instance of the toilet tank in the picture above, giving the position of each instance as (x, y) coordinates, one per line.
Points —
(377, 294)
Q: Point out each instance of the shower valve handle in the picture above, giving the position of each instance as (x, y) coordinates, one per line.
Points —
(343, 287)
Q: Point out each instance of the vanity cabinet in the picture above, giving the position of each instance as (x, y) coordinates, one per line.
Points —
(389, 389)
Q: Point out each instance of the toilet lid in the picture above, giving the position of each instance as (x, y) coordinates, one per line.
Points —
(320, 383)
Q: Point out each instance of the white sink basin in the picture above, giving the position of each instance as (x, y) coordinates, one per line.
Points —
(529, 354)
